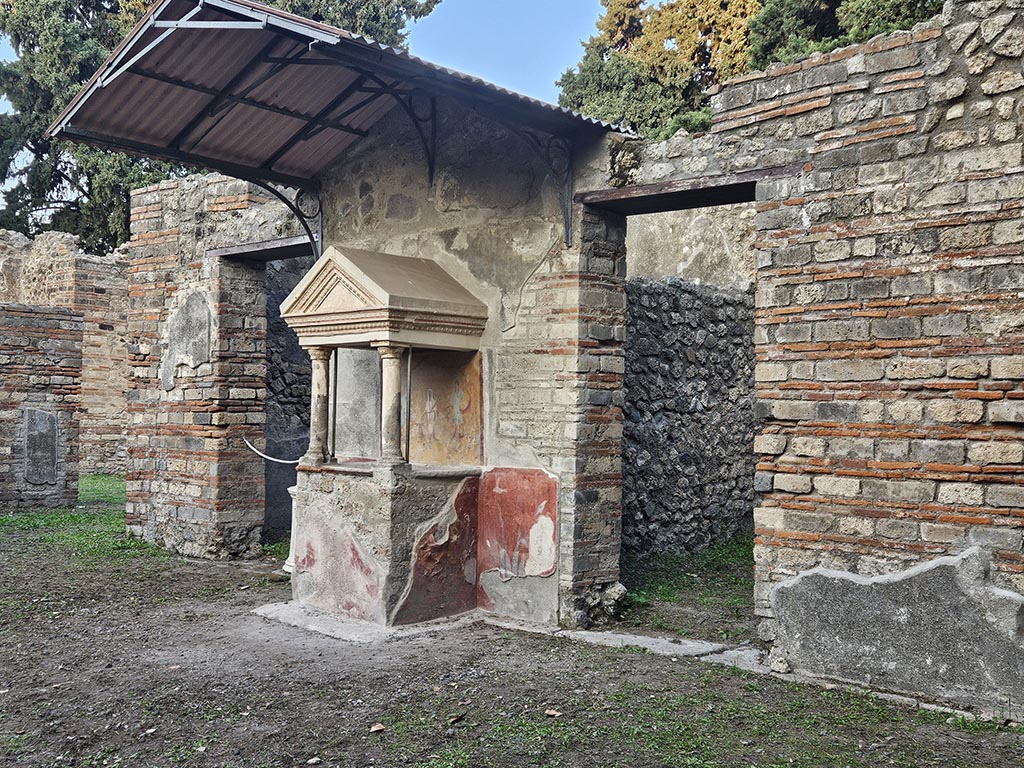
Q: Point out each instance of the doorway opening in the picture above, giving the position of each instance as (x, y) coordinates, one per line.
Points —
(689, 416)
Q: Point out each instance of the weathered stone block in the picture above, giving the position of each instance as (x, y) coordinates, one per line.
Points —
(1005, 495)
(896, 328)
(1006, 411)
(915, 368)
(944, 325)
(996, 452)
(937, 451)
(970, 494)
(792, 483)
(830, 485)
(919, 491)
(850, 370)
(807, 446)
(966, 368)
(771, 372)
(894, 631)
(952, 411)
(769, 444)
(1008, 367)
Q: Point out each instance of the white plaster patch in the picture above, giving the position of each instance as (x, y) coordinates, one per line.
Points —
(541, 559)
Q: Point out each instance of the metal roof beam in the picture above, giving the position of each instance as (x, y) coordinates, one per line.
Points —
(334, 124)
(210, 109)
(303, 133)
(105, 81)
(237, 170)
(210, 24)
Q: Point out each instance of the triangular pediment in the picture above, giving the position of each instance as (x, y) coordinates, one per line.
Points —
(329, 287)
(352, 297)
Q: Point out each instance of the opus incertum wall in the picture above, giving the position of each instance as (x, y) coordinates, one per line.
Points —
(40, 393)
(890, 350)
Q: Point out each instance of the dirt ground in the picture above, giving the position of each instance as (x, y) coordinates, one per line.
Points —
(115, 654)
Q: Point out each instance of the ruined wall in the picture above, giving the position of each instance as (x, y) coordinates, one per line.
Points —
(52, 270)
(889, 304)
(197, 348)
(40, 391)
(688, 428)
(552, 359)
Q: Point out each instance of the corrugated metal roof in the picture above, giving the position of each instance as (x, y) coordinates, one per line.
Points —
(260, 93)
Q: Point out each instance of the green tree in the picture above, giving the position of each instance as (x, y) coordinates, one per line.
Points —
(610, 85)
(785, 30)
(622, 23)
(59, 44)
(649, 66)
(863, 19)
(384, 21)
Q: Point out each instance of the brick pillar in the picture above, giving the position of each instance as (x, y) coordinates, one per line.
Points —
(197, 349)
(591, 491)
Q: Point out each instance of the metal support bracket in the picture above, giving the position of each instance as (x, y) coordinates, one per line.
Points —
(307, 207)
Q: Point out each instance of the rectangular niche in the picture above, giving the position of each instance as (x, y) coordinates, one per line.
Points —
(445, 408)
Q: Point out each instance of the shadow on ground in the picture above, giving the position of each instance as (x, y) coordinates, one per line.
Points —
(707, 596)
(117, 654)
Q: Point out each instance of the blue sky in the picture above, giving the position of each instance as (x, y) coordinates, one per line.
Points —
(524, 45)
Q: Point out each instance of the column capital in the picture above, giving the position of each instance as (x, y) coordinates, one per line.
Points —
(390, 352)
(319, 353)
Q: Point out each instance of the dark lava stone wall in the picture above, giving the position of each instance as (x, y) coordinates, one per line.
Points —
(288, 392)
(689, 424)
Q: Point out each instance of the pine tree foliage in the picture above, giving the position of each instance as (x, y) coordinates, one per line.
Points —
(59, 44)
(650, 65)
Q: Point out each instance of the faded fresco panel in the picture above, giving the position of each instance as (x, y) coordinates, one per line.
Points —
(444, 569)
(446, 426)
(517, 523)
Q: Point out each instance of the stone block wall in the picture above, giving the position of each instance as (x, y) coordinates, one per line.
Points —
(52, 270)
(890, 295)
(40, 392)
(197, 349)
(687, 447)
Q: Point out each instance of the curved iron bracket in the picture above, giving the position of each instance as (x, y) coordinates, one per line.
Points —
(307, 207)
(425, 122)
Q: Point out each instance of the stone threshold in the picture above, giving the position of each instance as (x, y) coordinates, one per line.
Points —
(742, 657)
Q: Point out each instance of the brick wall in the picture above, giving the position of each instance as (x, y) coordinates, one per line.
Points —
(41, 360)
(197, 350)
(52, 270)
(890, 278)
(558, 389)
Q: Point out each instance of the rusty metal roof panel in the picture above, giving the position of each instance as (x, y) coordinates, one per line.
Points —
(261, 93)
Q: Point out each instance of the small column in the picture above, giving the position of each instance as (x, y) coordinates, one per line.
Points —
(319, 407)
(391, 404)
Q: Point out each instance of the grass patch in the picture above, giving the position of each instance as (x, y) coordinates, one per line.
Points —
(278, 550)
(708, 595)
(102, 489)
(93, 530)
(711, 724)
